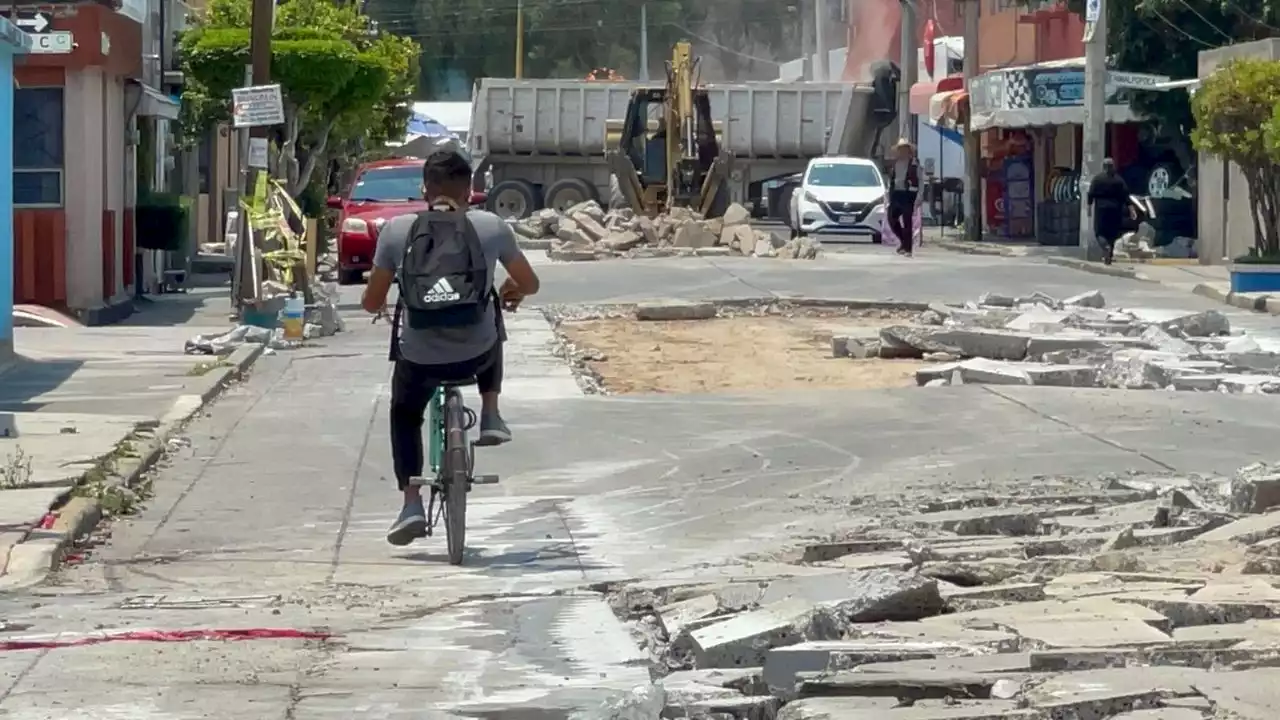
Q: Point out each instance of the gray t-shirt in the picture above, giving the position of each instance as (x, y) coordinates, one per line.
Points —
(447, 345)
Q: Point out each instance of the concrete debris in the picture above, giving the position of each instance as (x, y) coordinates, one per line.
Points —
(1077, 342)
(586, 232)
(1033, 605)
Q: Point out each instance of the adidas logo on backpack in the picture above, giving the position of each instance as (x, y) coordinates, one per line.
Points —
(441, 292)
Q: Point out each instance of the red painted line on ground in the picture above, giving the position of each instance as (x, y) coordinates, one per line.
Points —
(169, 636)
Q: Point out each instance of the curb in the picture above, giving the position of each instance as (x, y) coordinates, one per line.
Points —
(42, 551)
(1128, 273)
(969, 249)
(1257, 302)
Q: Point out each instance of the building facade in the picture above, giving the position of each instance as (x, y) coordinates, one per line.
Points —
(79, 97)
(13, 42)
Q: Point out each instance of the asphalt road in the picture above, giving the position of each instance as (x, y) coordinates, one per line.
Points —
(274, 516)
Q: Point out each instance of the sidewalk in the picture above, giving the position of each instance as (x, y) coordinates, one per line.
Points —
(85, 411)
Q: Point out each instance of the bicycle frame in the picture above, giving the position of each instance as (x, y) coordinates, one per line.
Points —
(435, 432)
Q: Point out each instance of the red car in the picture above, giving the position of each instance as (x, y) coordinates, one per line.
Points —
(382, 190)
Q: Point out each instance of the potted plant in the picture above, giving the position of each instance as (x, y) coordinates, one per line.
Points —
(1237, 114)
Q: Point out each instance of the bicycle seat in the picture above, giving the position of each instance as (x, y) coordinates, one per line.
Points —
(459, 383)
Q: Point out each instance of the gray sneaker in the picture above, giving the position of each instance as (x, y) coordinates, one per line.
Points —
(493, 431)
(411, 525)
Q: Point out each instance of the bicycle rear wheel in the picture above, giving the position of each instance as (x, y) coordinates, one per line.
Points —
(456, 473)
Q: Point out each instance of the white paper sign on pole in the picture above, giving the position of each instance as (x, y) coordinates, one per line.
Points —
(257, 106)
(258, 153)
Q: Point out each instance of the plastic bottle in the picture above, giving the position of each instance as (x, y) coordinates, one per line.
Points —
(292, 318)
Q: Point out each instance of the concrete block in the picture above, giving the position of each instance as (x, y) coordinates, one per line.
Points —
(1158, 339)
(743, 641)
(1257, 361)
(1184, 322)
(675, 310)
(1062, 375)
(693, 235)
(1164, 713)
(864, 596)
(1040, 345)
(1012, 592)
(1038, 316)
(1187, 612)
(1090, 299)
(1076, 659)
(830, 551)
(678, 616)
(1255, 488)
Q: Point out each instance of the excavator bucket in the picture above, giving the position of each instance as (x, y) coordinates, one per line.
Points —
(713, 200)
(626, 180)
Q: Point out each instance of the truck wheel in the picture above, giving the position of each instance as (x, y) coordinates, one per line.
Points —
(567, 192)
(516, 199)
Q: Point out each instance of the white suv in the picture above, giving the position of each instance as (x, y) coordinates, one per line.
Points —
(839, 195)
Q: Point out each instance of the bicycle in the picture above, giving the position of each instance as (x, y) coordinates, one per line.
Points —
(451, 459)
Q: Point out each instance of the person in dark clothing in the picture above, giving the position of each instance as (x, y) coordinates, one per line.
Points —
(1108, 200)
(904, 191)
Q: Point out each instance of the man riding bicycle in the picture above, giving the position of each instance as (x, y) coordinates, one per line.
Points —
(448, 318)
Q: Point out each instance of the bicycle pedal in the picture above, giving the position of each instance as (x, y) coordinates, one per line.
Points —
(484, 480)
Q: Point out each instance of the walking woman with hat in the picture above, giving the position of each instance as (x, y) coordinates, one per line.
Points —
(904, 194)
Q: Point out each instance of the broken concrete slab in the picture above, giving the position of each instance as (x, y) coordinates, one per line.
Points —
(747, 681)
(1187, 612)
(1090, 299)
(760, 707)
(1106, 692)
(864, 708)
(681, 615)
(1183, 322)
(1246, 530)
(1091, 632)
(1247, 695)
(906, 686)
(744, 640)
(864, 596)
(995, 521)
(819, 552)
(782, 664)
(675, 310)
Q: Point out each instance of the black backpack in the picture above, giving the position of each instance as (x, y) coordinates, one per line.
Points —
(443, 276)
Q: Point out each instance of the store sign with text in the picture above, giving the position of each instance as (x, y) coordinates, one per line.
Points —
(1064, 87)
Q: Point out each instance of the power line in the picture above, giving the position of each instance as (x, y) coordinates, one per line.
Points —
(1206, 20)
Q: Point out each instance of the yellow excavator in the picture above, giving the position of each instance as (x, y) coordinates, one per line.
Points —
(667, 152)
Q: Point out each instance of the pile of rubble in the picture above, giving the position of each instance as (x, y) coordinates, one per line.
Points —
(320, 319)
(586, 232)
(1077, 342)
(1134, 597)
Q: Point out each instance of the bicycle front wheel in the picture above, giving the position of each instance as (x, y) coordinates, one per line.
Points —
(457, 476)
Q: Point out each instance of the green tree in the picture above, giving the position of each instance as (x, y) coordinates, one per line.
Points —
(1236, 120)
(343, 84)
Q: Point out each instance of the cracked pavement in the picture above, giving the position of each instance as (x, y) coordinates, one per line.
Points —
(274, 516)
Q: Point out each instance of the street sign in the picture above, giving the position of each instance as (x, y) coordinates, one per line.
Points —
(258, 153)
(32, 22)
(1135, 80)
(1092, 10)
(58, 42)
(257, 106)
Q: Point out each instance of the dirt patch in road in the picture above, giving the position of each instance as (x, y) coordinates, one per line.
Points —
(730, 354)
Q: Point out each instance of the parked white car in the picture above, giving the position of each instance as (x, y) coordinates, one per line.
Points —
(844, 195)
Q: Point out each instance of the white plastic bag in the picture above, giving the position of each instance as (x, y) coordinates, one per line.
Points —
(890, 239)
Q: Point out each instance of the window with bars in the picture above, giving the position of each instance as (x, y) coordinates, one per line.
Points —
(37, 146)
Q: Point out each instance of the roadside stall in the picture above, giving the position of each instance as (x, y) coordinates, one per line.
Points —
(1030, 121)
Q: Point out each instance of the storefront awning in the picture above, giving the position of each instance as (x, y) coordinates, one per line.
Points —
(1046, 117)
(949, 109)
(1047, 94)
(153, 103)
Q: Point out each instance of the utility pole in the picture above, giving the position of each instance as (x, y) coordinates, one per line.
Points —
(820, 72)
(806, 40)
(1094, 132)
(260, 26)
(644, 42)
(972, 149)
(519, 39)
(910, 55)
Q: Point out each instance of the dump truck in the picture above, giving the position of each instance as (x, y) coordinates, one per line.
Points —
(543, 143)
